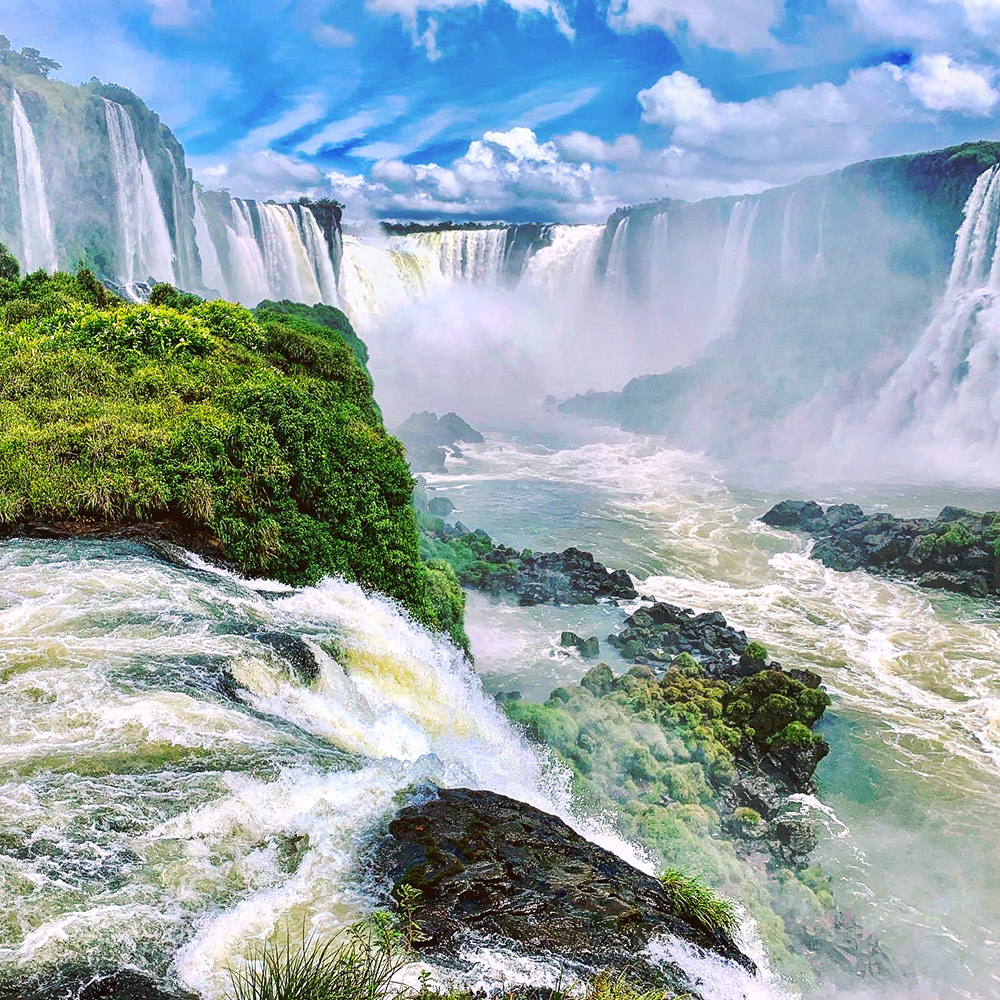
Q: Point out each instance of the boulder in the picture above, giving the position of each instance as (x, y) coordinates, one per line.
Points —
(490, 866)
(589, 649)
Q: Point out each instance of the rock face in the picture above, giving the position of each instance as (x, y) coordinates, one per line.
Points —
(955, 551)
(428, 438)
(489, 865)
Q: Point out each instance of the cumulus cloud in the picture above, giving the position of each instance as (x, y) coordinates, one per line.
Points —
(734, 25)
(942, 85)
(810, 128)
(262, 174)
(581, 147)
(931, 22)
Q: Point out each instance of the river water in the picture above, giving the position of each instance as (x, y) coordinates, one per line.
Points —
(173, 787)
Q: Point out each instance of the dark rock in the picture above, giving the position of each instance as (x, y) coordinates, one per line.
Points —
(955, 551)
(294, 651)
(77, 982)
(589, 649)
(439, 507)
(488, 865)
(791, 513)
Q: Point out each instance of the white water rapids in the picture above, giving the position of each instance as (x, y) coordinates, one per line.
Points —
(154, 818)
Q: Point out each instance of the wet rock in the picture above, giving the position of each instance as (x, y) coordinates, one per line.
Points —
(589, 649)
(77, 982)
(955, 551)
(486, 864)
(439, 507)
(429, 438)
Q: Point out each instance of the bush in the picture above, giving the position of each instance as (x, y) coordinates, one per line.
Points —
(258, 438)
(755, 652)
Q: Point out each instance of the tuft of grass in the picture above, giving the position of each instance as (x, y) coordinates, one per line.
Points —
(362, 964)
(697, 905)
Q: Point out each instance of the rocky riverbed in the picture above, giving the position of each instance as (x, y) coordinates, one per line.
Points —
(956, 551)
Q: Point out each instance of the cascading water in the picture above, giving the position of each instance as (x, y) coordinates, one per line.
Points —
(943, 402)
(734, 263)
(290, 272)
(212, 277)
(464, 254)
(319, 256)
(617, 270)
(567, 264)
(246, 259)
(38, 245)
(144, 247)
(241, 791)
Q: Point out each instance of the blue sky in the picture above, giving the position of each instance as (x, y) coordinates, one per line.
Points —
(532, 109)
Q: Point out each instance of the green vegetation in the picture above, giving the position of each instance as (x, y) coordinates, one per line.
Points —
(755, 653)
(659, 753)
(299, 317)
(257, 435)
(954, 538)
(362, 964)
(366, 962)
(697, 905)
(465, 554)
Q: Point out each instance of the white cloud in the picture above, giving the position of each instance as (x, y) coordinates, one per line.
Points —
(262, 174)
(579, 147)
(808, 129)
(942, 85)
(354, 126)
(734, 25)
(333, 38)
(959, 24)
(310, 108)
(409, 9)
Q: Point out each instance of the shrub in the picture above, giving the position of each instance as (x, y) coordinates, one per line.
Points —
(10, 269)
(261, 436)
(755, 652)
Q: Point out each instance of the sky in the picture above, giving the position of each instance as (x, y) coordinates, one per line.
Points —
(548, 110)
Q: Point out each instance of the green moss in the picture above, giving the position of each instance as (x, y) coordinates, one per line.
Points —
(755, 652)
(257, 432)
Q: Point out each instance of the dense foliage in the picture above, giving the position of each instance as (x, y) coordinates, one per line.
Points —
(258, 431)
(661, 752)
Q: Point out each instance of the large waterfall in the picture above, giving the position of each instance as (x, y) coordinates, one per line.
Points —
(941, 408)
(145, 249)
(37, 242)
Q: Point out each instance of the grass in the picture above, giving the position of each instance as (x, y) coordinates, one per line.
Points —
(366, 962)
(694, 903)
(257, 430)
(362, 964)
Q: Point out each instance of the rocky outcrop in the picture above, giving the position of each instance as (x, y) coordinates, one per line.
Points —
(589, 649)
(955, 551)
(429, 438)
(487, 865)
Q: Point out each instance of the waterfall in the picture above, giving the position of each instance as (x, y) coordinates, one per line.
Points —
(568, 262)
(246, 261)
(789, 247)
(659, 234)
(617, 273)
(290, 273)
(734, 263)
(212, 276)
(376, 278)
(319, 255)
(465, 254)
(944, 399)
(38, 246)
(144, 247)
